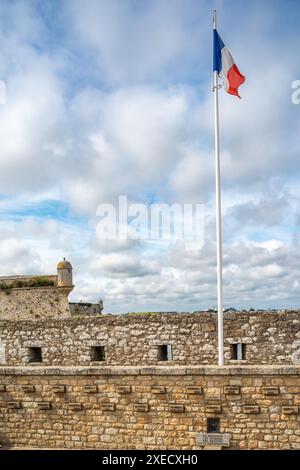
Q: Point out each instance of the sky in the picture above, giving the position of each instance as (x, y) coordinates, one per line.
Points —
(113, 97)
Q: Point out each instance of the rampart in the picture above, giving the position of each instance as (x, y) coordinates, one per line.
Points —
(149, 407)
(130, 340)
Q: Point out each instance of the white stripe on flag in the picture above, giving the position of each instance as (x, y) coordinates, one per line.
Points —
(227, 63)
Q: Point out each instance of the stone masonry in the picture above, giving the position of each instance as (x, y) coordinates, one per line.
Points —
(269, 338)
(73, 378)
(149, 407)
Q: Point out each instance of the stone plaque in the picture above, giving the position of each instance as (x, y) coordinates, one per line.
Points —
(213, 439)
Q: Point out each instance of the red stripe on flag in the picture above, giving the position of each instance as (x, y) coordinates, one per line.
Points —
(235, 79)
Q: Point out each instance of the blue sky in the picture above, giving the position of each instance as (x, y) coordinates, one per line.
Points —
(109, 98)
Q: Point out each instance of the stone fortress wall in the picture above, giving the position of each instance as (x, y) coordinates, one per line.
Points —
(268, 338)
(32, 297)
(38, 297)
(149, 407)
(73, 378)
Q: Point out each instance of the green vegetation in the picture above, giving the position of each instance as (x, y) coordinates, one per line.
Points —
(4, 286)
(37, 281)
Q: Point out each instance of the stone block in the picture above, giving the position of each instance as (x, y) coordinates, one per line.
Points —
(44, 405)
(2, 388)
(251, 409)
(108, 406)
(59, 389)
(156, 389)
(213, 393)
(141, 407)
(123, 389)
(288, 410)
(14, 405)
(232, 390)
(215, 409)
(90, 388)
(194, 390)
(28, 388)
(177, 408)
(270, 390)
(75, 406)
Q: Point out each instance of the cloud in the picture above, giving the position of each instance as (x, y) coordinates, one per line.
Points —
(133, 42)
(114, 98)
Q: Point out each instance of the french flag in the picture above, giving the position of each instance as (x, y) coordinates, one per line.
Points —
(224, 65)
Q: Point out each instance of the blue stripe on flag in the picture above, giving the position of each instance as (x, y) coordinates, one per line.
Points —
(218, 45)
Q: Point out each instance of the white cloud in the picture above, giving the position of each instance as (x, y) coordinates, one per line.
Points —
(114, 98)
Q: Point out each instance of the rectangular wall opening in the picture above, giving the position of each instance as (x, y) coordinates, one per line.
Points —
(238, 352)
(213, 425)
(97, 353)
(35, 354)
(165, 352)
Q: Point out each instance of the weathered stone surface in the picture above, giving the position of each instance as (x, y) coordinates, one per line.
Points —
(123, 389)
(90, 388)
(213, 409)
(194, 390)
(290, 410)
(270, 390)
(141, 407)
(232, 390)
(158, 389)
(32, 303)
(177, 408)
(251, 409)
(68, 341)
(75, 406)
(111, 421)
(108, 406)
(44, 405)
(14, 404)
(28, 388)
(59, 389)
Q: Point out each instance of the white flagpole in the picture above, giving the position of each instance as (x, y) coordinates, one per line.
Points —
(218, 213)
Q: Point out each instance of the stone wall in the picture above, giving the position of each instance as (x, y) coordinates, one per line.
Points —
(149, 408)
(86, 308)
(19, 303)
(270, 338)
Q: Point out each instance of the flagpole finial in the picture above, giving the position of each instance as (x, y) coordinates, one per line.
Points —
(214, 19)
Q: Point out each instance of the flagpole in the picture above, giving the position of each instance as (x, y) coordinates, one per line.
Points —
(218, 214)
